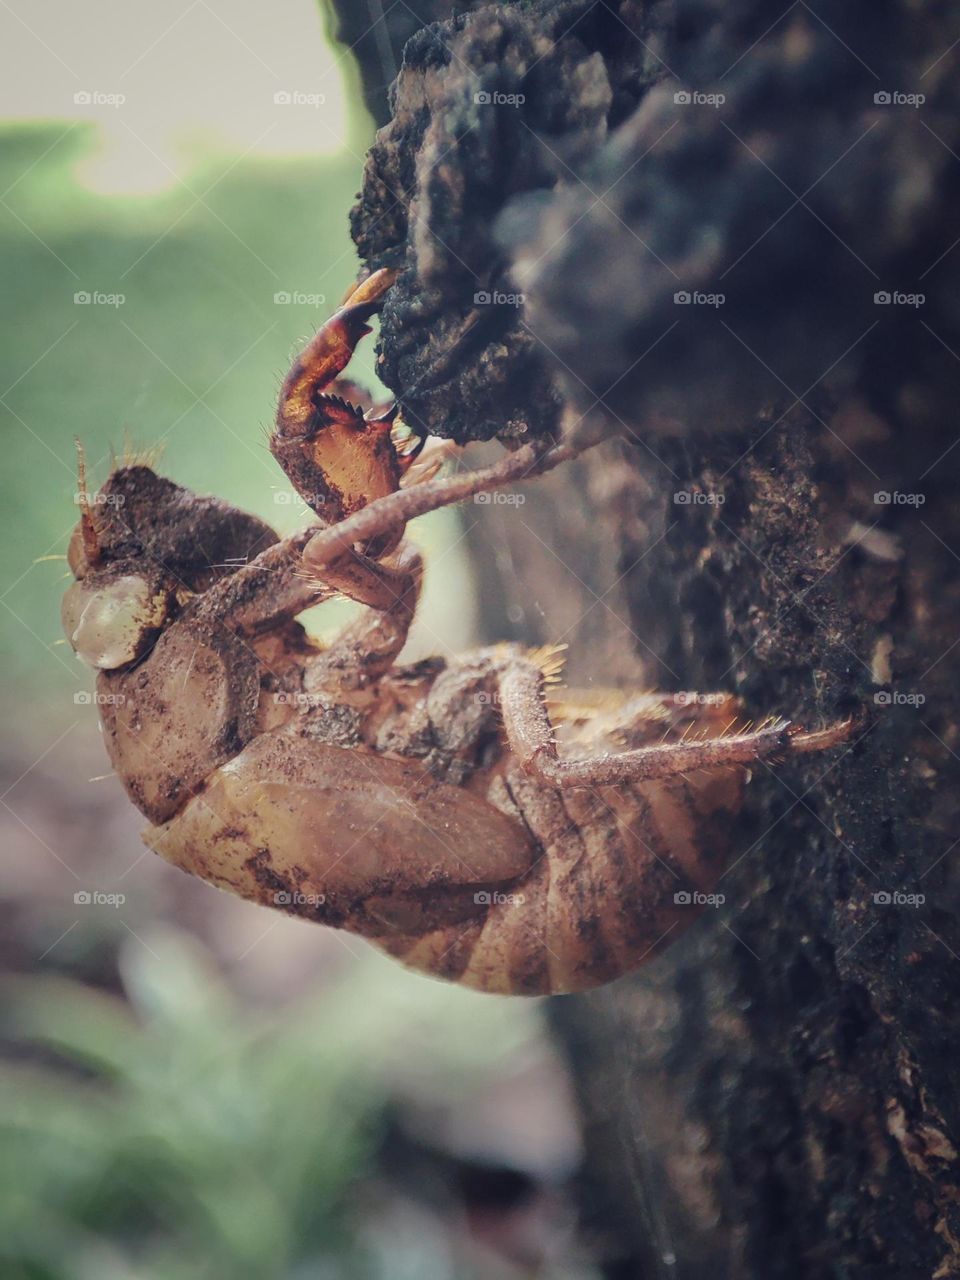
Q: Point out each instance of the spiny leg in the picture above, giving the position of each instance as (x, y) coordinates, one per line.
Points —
(389, 514)
(281, 582)
(364, 650)
(531, 737)
(375, 583)
(267, 592)
(330, 557)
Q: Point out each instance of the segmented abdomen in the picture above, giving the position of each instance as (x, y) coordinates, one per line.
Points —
(617, 880)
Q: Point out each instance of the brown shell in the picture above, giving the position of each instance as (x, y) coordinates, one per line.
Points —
(345, 836)
(189, 707)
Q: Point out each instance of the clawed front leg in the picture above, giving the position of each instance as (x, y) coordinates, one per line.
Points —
(337, 457)
(531, 738)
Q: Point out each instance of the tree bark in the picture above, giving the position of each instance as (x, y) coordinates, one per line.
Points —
(772, 513)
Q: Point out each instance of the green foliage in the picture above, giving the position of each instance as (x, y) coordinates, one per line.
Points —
(182, 1133)
(192, 358)
(184, 1136)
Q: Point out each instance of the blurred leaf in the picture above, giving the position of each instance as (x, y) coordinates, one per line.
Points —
(186, 1136)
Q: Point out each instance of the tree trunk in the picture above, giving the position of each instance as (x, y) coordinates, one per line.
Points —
(773, 513)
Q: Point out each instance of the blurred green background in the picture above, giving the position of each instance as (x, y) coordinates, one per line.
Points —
(192, 1087)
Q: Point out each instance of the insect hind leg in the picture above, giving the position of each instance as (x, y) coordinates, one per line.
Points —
(531, 737)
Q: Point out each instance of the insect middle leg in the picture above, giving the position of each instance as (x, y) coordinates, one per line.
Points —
(389, 514)
(364, 650)
(283, 580)
(531, 737)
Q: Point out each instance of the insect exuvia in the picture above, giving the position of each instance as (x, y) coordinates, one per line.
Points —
(445, 811)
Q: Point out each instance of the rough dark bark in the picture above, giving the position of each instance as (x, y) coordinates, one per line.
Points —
(776, 1096)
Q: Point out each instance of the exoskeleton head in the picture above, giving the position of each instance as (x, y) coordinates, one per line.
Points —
(142, 548)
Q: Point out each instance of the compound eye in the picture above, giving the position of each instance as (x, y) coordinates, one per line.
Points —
(110, 622)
